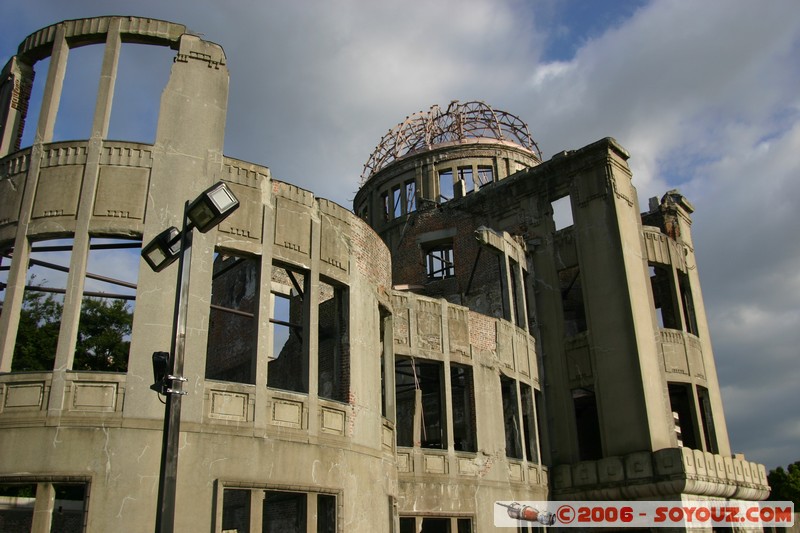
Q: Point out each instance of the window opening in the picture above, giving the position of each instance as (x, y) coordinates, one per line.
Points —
(235, 510)
(529, 423)
(504, 308)
(435, 525)
(386, 346)
(411, 196)
(31, 122)
(664, 297)
(326, 513)
(682, 405)
(334, 342)
(517, 294)
(511, 424)
(284, 512)
(232, 324)
(485, 176)
(419, 387)
(109, 299)
(42, 305)
(688, 303)
(408, 524)
(5, 265)
(587, 424)
(385, 204)
(439, 261)
(79, 93)
(445, 185)
(709, 432)
(562, 213)
(17, 503)
(142, 74)
(465, 176)
(397, 203)
(572, 301)
(288, 366)
(463, 394)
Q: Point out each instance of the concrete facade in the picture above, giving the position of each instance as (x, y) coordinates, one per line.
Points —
(399, 370)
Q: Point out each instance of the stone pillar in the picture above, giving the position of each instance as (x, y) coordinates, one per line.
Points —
(631, 397)
(43, 508)
(16, 82)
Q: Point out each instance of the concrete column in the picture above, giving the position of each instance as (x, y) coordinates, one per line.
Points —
(43, 508)
(311, 513)
(52, 89)
(311, 327)
(631, 398)
(256, 509)
(683, 211)
(265, 333)
(76, 281)
(108, 78)
(15, 92)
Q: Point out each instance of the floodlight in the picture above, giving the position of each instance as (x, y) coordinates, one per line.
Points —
(163, 250)
(212, 207)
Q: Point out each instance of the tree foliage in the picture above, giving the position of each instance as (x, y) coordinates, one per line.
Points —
(103, 334)
(785, 484)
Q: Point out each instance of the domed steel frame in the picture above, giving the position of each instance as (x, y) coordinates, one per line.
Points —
(426, 129)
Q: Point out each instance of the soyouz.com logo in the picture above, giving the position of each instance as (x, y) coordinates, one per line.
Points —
(644, 514)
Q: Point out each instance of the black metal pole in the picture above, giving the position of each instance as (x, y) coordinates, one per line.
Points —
(167, 481)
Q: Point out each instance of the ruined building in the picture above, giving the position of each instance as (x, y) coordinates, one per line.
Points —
(455, 342)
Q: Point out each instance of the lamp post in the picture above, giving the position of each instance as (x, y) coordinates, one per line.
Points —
(204, 213)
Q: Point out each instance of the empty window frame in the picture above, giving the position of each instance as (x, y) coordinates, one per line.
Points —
(435, 524)
(587, 424)
(707, 418)
(562, 213)
(109, 298)
(232, 323)
(67, 512)
(288, 365)
(387, 379)
(683, 413)
(5, 266)
(511, 421)
(463, 402)
(419, 396)
(517, 294)
(42, 305)
(333, 342)
(34, 103)
(397, 202)
(572, 301)
(485, 176)
(411, 195)
(465, 177)
(142, 74)
(529, 423)
(385, 205)
(664, 300)
(78, 93)
(445, 185)
(688, 304)
(439, 261)
(277, 511)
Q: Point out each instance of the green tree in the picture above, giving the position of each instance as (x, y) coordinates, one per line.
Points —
(103, 334)
(785, 484)
(37, 334)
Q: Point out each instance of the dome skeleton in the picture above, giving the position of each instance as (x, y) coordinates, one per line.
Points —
(427, 129)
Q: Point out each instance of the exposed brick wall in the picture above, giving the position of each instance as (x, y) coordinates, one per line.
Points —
(482, 332)
(372, 258)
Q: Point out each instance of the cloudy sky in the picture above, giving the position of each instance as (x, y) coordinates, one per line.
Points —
(704, 95)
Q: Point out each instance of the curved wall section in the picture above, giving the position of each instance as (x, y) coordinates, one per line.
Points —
(286, 299)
